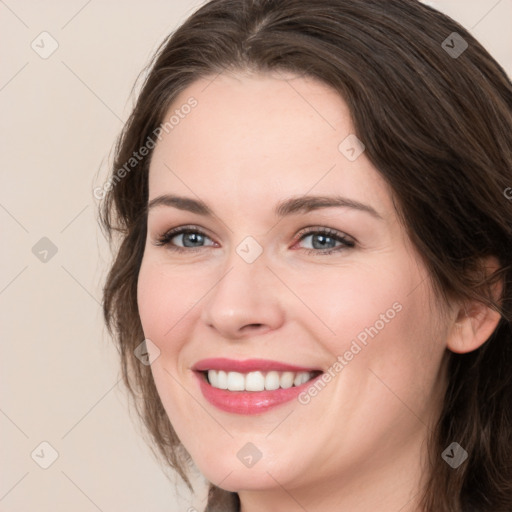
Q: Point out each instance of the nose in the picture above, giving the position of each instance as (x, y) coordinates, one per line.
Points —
(244, 302)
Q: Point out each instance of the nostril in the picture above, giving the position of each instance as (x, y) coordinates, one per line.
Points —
(253, 327)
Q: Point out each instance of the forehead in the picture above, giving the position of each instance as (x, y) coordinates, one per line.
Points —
(250, 137)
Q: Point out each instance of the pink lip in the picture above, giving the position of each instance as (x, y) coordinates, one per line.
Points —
(247, 402)
(247, 365)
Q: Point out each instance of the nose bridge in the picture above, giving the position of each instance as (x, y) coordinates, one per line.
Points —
(243, 298)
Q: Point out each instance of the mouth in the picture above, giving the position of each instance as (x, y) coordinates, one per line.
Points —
(251, 386)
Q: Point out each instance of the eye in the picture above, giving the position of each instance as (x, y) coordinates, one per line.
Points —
(318, 240)
(184, 238)
(325, 240)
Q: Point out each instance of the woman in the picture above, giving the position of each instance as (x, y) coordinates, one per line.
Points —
(315, 246)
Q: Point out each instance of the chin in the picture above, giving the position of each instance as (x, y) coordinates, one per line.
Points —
(242, 479)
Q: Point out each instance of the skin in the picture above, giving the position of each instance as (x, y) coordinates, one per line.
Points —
(252, 141)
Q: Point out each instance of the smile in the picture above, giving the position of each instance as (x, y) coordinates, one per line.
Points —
(251, 386)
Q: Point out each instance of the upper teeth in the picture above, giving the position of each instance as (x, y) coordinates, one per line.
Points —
(256, 381)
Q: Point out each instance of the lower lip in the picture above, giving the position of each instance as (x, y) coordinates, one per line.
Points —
(249, 402)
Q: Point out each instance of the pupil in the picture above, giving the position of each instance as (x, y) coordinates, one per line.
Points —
(194, 238)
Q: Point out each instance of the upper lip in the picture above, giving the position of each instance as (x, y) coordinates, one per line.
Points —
(247, 365)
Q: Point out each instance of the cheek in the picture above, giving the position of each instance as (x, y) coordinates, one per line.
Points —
(152, 300)
(386, 348)
(379, 317)
(348, 300)
(166, 299)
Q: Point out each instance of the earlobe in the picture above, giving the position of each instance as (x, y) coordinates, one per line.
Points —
(472, 328)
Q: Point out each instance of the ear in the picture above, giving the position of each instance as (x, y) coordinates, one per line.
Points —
(474, 321)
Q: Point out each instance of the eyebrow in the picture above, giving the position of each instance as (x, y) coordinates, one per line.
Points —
(293, 205)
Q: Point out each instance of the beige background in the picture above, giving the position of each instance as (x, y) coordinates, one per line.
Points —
(60, 117)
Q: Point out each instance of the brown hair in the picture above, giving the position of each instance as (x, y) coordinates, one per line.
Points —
(436, 125)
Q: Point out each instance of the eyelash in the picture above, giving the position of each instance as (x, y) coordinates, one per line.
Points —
(346, 243)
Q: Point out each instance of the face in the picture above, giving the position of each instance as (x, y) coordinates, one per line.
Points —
(274, 258)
